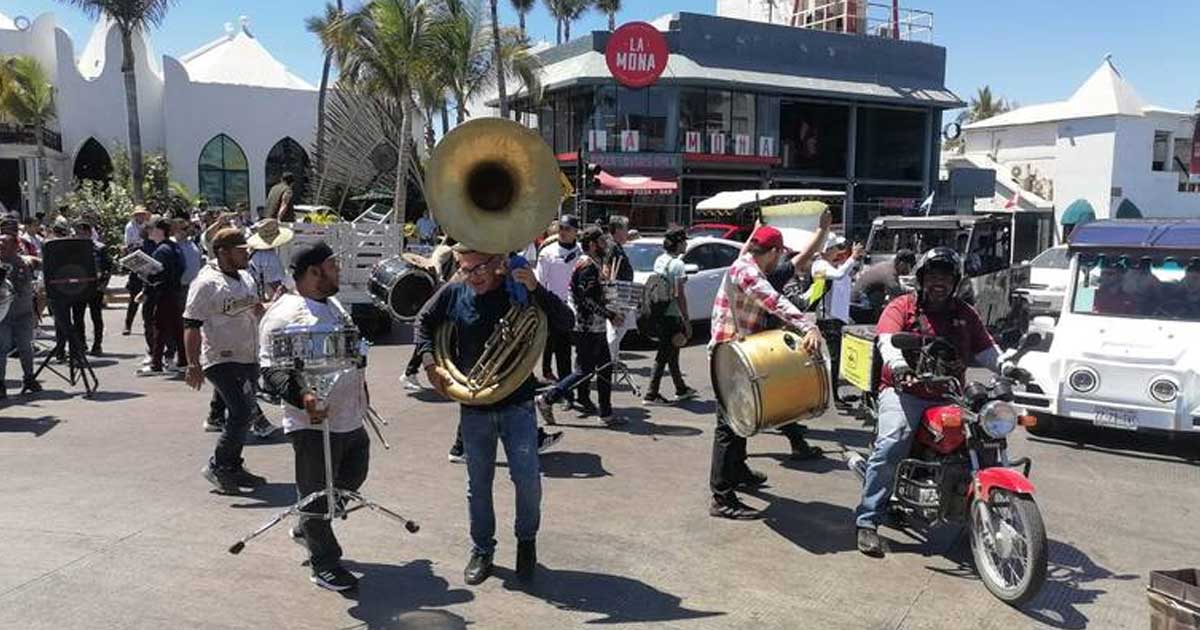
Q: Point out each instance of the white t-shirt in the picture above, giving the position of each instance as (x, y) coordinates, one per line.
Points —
(226, 306)
(555, 265)
(837, 302)
(267, 270)
(347, 401)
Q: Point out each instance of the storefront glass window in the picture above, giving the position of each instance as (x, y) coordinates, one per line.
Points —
(891, 144)
(693, 105)
(768, 125)
(546, 122)
(562, 124)
(813, 138)
(718, 120)
(581, 119)
(742, 122)
(604, 114)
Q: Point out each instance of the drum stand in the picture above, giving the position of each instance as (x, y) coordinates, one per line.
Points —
(337, 499)
(621, 374)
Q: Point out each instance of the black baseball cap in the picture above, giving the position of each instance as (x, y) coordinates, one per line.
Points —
(308, 255)
(569, 220)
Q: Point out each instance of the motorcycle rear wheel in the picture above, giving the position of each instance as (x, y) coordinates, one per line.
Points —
(1013, 564)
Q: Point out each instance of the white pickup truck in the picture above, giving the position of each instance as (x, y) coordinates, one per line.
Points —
(1124, 352)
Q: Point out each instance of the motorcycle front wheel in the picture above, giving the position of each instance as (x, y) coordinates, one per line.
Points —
(1012, 560)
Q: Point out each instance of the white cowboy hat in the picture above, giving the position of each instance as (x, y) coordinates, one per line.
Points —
(269, 234)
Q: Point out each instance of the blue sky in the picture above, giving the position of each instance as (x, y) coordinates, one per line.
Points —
(1028, 50)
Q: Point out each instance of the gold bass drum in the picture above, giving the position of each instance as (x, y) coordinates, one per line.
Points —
(768, 380)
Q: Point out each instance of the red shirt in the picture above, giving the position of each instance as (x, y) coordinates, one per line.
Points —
(959, 324)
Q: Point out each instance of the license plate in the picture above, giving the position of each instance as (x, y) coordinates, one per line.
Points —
(1115, 418)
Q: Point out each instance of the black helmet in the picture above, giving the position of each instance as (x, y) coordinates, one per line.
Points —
(938, 257)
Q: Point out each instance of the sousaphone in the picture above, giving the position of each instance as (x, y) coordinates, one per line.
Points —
(493, 185)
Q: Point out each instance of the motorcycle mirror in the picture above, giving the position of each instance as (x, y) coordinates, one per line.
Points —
(907, 341)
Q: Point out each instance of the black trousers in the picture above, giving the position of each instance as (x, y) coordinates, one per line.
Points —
(667, 357)
(558, 351)
(414, 364)
(729, 467)
(234, 383)
(350, 454)
(134, 286)
(831, 330)
(95, 309)
(591, 353)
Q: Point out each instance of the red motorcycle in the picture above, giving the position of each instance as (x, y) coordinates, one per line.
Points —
(958, 471)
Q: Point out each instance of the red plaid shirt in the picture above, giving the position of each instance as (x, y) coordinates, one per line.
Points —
(745, 301)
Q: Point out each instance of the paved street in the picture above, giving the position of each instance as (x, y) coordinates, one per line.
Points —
(107, 523)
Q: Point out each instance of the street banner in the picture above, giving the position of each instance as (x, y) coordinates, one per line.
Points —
(691, 142)
(716, 143)
(766, 146)
(741, 145)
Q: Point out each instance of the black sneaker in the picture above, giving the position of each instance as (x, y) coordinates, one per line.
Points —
(247, 479)
(478, 569)
(334, 579)
(586, 408)
(224, 481)
(96, 351)
(297, 536)
(732, 508)
(686, 394)
(526, 559)
(869, 542)
(457, 455)
(752, 479)
(802, 450)
(262, 428)
(654, 399)
(547, 440)
(31, 386)
(213, 425)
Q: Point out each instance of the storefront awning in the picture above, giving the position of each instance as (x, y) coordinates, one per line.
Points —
(1078, 213)
(615, 185)
(1128, 210)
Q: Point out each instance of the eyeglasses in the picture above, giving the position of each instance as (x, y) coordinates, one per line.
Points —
(480, 269)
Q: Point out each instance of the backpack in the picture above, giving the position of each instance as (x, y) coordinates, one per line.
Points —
(657, 295)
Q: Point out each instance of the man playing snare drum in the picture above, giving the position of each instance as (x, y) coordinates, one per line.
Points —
(744, 305)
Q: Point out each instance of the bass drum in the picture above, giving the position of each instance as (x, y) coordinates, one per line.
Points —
(401, 285)
(768, 380)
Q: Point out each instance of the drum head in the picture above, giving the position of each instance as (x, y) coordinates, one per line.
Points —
(410, 293)
(736, 389)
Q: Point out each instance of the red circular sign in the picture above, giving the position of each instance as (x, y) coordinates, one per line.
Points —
(636, 54)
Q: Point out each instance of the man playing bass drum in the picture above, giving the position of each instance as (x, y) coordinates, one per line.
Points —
(935, 311)
(744, 305)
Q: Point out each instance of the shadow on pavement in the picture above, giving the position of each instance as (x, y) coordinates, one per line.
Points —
(815, 526)
(1069, 573)
(848, 438)
(429, 396)
(399, 596)
(271, 495)
(37, 426)
(1135, 445)
(569, 465)
(829, 462)
(619, 599)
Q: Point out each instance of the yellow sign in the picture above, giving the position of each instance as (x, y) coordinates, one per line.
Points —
(857, 355)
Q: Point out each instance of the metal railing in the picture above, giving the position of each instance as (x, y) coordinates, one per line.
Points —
(877, 19)
(12, 133)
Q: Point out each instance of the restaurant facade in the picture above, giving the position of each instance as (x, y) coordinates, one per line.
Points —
(650, 123)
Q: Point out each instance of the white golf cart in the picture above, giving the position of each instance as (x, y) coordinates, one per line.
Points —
(1124, 354)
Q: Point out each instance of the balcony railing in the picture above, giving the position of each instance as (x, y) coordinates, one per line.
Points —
(12, 133)
(878, 19)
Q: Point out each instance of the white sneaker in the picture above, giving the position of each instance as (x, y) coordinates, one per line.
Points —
(412, 383)
(146, 360)
(149, 371)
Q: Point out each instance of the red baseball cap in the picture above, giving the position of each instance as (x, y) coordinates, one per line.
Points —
(767, 237)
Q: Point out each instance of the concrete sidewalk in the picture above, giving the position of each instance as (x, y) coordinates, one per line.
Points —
(108, 524)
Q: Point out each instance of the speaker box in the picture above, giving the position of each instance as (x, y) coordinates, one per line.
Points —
(69, 267)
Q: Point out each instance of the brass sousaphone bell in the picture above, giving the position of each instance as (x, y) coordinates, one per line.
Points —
(493, 185)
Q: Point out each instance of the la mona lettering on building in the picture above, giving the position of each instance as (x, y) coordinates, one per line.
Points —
(683, 107)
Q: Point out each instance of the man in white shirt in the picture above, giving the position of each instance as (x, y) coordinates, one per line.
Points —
(837, 266)
(265, 265)
(555, 264)
(134, 229)
(316, 273)
(220, 335)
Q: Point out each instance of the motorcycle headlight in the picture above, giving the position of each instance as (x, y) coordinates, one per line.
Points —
(998, 418)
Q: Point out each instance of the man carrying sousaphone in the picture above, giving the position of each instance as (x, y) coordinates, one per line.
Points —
(744, 305)
(474, 303)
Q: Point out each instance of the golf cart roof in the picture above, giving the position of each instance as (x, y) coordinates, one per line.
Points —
(1145, 234)
(947, 222)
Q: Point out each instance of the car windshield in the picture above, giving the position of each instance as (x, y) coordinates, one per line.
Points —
(713, 232)
(643, 254)
(889, 240)
(1053, 258)
(1131, 285)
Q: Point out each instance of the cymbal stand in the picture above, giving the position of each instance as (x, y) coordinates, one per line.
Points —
(338, 501)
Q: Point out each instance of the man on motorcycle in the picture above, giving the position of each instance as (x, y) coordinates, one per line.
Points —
(934, 311)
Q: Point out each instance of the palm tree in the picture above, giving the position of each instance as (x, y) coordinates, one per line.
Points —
(28, 98)
(558, 10)
(380, 49)
(611, 7)
(522, 7)
(130, 16)
(984, 105)
(317, 24)
(467, 56)
(574, 9)
(496, 61)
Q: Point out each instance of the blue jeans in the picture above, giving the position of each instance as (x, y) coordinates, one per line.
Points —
(899, 416)
(17, 332)
(516, 427)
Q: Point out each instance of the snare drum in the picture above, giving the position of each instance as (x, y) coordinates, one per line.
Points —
(624, 295)
(318, 348)
(401, 285)
(768, 380)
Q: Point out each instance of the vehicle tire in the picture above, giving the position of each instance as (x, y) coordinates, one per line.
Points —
(1011, 512)
(1046, 425)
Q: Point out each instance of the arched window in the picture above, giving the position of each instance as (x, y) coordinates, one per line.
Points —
(287, 156)
(93, 162)
(224, 173)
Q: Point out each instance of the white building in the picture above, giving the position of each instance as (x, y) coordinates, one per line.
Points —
(229, 117)
(1103, 145)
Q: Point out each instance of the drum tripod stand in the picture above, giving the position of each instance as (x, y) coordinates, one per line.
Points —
(69, 339)
(337, 500)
